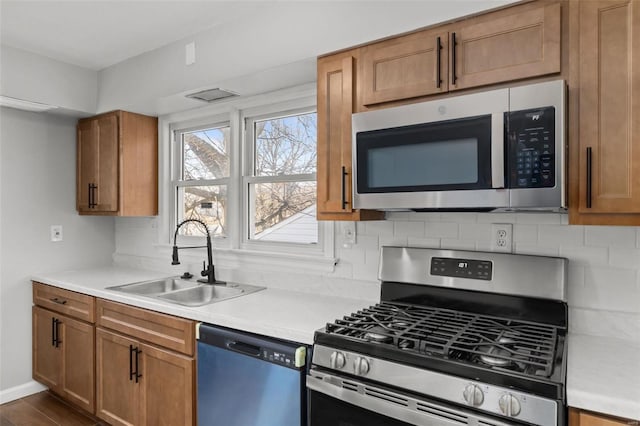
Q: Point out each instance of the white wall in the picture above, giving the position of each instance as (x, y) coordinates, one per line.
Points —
(604, 262)
(35, 78)
(37, 177)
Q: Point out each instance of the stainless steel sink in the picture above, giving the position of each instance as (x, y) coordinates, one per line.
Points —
(187, 292)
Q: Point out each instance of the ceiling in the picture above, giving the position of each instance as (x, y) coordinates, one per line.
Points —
(96, 34)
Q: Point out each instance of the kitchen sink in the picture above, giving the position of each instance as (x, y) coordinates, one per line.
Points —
(186, 292)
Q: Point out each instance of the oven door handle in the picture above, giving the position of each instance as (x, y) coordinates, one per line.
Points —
(395, 409)
(497, 150)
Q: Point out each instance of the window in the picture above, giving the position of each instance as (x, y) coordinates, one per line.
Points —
(280, 178)
(202, 180)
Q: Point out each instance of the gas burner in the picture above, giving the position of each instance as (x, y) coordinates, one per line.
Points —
(377, 334)
(497, 355)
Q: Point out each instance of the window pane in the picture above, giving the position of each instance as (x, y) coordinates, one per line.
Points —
(207, 203)
(206, 154)
(286, 146)
(284, 211)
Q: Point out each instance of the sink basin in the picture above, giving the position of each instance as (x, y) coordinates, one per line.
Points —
(155, 287)
(186, 292)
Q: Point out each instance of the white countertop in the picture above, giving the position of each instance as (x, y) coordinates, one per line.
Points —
(604, 375)
(283, 314)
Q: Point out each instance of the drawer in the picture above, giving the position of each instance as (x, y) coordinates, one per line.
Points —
(75, 305)
(163, 330)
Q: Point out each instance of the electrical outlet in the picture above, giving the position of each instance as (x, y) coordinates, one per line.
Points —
(56, 233)
(501, 237)
(348, 234)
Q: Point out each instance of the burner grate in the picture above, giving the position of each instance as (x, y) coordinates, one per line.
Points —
(492, 342)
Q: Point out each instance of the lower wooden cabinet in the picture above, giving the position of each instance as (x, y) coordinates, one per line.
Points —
(585, 418)
(63, 355)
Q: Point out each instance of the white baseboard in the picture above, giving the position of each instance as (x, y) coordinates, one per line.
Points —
(17, 392)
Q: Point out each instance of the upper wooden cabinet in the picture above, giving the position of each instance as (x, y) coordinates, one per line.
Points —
(606, 153)
(117, 165)
(335, 106)
(471, 53)
(405, 67)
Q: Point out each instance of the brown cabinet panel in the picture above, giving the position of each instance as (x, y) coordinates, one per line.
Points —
(78, 352)
(66, 302)
(609, 111)
(404, 67)
(168, 392)
(117, 165)
(164, 330)
(583, 418)
(117, 395)
(46, 356)
(335, 106)
(517, 46)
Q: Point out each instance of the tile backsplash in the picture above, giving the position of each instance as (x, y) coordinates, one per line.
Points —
(604, 262)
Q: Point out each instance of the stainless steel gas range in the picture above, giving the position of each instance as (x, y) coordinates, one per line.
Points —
(458, 338)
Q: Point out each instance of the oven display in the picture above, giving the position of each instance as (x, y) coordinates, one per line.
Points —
(462, 268)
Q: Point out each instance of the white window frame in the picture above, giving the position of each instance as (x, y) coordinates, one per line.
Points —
(235, 247)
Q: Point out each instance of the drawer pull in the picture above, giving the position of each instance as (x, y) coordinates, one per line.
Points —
(438, 53)
(454, 43)
(58, 301)
(589, 177)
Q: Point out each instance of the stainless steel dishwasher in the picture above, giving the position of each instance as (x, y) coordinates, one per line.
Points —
(249, 380)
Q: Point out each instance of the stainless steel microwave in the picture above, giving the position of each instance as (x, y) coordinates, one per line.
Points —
(501, 149)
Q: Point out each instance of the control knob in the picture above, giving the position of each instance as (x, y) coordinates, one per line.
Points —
(509, 405)
(337, 360)
(473, 395)
(361, 366)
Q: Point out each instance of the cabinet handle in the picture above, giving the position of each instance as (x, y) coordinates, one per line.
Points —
(92, 195)
(57, 322)
(344, 188)
(53, 331)
(89, 186)
(138, 352)
(438, 53)
(130, 362)
(58, 301)
(589, 172)
(454, 43)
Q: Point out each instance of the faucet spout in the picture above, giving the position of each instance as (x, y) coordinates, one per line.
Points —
(208, 271)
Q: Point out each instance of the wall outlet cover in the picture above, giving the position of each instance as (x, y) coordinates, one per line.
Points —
(56, 233)
(502, 237)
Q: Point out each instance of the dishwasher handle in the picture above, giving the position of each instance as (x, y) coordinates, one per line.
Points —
(244, 348)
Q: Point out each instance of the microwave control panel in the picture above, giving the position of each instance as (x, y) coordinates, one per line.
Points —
(532, 147)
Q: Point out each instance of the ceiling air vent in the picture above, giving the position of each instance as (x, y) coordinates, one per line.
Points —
(211, 95)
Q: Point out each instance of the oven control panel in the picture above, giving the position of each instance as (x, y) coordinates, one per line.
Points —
(462, 268)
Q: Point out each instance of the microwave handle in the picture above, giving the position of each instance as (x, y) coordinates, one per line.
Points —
(497, 150)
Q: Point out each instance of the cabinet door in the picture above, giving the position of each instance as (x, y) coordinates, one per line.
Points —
(78, 350)
(87, 157)
(335, 106)
(117, 393)
(46, 355)
(582, 418)
(106, 196)
(609, 108)
(522, 45)
(167, 394)
(404, 67)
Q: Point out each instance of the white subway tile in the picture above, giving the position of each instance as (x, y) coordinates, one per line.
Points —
(459, 217)
(424, 242)
(587, 256)
(611, 289)
(458, 244)
(564, 219)
(561, 235)
(525, 233)
(409, 229)
(496, 218)
(364, 242)
(484, 246)
(365, 272)
(372, 258)
(623, 257)
(342, 270)
(441, 230)
(361, 228)
(398, 215)
(424, 217)
(575, 275)
(352, 255)
(379, 227)
(526, 248)
(604, 323)
(391, 240)
(539, 218)
(638, 236)
(620, 236)
(475, 231)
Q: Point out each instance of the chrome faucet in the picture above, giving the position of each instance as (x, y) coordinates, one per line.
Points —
(207, 271)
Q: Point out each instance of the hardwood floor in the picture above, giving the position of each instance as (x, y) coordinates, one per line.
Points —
(44, 409)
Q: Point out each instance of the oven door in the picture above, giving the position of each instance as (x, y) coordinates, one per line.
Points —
(341, 401)
(445, 154)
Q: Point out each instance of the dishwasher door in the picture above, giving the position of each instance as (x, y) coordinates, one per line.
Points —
(249, 380)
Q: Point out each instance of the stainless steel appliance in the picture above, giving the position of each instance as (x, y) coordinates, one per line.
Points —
(459, 338)
(249, 380)
(500, 149)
